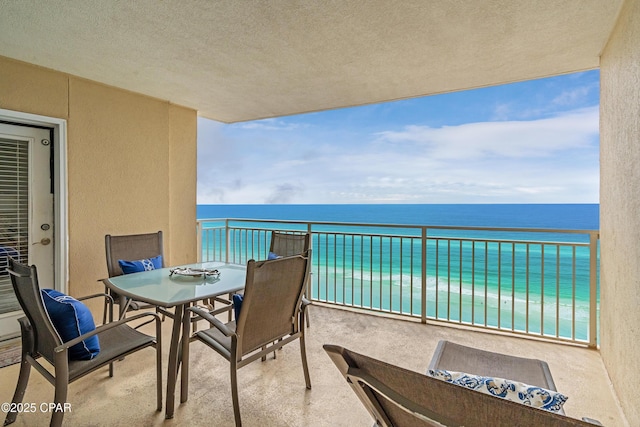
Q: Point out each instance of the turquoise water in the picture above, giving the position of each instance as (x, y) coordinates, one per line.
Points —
(487, 283)
(561, 216)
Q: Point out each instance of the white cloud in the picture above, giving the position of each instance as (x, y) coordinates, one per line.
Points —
(502, 112)
(509, 139)
(574, 96)
(549, 160)
(269, 125)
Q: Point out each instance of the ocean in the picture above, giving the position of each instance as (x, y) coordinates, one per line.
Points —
(516, 287)
(560, 216)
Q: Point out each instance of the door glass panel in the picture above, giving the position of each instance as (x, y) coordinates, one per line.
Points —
(14, 214)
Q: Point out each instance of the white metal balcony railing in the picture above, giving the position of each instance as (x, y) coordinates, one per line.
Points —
(536, 282)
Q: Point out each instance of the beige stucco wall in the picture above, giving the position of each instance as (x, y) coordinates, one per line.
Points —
(131, 164)
(182, 169)
(620, 208)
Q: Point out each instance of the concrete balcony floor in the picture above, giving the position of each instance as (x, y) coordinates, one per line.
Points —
(272, 393)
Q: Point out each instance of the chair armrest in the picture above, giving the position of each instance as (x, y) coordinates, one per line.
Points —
(65, 346)
(107, 296)
(303, 306)
(212, 320)
(108, 302)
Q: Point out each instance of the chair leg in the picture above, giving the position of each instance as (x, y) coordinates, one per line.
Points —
(161, 317)
(23, 379)
(159, 364)
(303, 354)
(305, 308)
(234, 393)
(263, 358)
(60, 398)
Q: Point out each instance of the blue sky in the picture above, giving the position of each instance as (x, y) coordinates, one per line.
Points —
(528, 142)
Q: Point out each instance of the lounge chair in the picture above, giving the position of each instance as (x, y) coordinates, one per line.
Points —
(399, 397)
(456, 357)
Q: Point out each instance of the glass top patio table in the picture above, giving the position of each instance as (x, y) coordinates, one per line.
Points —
(157, 287)
(160, 288)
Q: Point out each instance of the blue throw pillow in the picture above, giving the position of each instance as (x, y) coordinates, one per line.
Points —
(272, 256)
(129, 267)
(237, 305)
(71, 318)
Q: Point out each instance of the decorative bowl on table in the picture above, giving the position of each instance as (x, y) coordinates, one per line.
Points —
(194, 272)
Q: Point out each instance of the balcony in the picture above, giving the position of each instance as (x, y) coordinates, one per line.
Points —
(272, 393)
(156, 131)
(422, 284)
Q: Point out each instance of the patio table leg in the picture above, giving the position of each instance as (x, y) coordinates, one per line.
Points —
(184, 356)
(172, 374)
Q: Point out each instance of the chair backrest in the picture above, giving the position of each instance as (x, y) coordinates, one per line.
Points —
(457, 357)
(271, 304)
(399, 397)
(24, 279)
(287, 244)
(131, 247)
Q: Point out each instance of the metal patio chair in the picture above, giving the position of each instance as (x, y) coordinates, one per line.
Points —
(40, 339)
(271, 316)
(131, 247)
(288, 244)
(144, 246)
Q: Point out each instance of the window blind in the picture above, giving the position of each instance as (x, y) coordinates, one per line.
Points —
(14, 214)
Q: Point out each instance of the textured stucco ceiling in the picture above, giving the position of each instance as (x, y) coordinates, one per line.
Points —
(248, 59)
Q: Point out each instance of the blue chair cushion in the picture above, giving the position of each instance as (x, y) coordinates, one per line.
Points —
(71, 318)
(237, 305)
(137, 266)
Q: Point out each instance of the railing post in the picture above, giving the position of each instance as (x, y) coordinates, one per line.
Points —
(423, 303)
(199, 241)
(593, 289)
(226, 239)
(308, 292)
